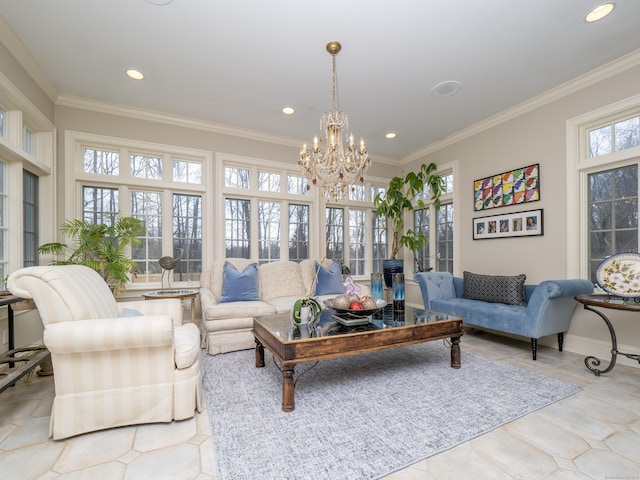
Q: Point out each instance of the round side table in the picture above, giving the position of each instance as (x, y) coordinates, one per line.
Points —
(181, 294)
(589, 301)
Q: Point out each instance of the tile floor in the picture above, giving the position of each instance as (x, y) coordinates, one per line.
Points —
(594, 434)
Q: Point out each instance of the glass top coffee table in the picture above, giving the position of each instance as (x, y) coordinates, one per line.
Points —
(330, 339)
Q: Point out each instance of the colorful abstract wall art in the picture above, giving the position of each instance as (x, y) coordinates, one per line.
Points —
(509, 188)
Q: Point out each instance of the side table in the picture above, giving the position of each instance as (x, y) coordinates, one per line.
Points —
(608, 302)
(19, 366)
(181, 294)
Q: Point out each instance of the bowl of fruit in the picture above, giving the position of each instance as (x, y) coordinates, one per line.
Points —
(354, 305)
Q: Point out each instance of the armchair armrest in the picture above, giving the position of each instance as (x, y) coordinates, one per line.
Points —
(161, 306)
(435, 285)
(207, 298)
(108, 334)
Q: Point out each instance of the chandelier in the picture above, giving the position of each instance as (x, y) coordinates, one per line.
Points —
(340, 162)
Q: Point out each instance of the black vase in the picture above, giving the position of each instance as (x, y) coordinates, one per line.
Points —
(389, 267)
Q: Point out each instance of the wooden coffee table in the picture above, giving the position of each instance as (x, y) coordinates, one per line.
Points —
(329, 339)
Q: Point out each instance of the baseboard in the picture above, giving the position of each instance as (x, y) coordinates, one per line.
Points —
(597, 348)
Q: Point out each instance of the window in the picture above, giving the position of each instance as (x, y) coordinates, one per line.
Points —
(603, 160)
(144, 166)
(298, 232)
(237, 223)
(260, 215)
(379, 234)
(27, 141)
(268, 231)
(4, 260)
(269, 182)
(421, 225)
(335, 233)
(357, 239)
(444, 238)
(101, 162)
(30, 219)
(100, 205)
(187, 172)
(147, 206)
(161, 185)
(613, 217)
(3, 122)
(187, 236)
(614, 137)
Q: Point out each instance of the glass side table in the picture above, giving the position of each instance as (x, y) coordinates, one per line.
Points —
(183, 295)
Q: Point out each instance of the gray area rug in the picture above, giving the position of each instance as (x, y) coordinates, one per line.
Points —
(361, 417)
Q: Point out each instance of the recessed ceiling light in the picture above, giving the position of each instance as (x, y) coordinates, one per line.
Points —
(135, 74)
(600, 12)
(446, 89)
(390, 135)
(288, 110)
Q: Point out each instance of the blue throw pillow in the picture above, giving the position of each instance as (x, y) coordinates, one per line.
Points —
(239, 286)
(329, 279)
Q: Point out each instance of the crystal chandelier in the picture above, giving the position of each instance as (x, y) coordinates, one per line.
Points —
(340, 162)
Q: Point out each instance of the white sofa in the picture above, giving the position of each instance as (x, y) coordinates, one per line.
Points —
(226, 327)
(114, 364)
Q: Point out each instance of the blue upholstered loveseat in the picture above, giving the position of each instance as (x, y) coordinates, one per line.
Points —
(548, 309)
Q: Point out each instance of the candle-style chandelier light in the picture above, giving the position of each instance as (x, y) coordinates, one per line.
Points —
(339, 163)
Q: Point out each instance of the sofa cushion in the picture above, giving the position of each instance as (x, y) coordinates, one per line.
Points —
(239, 286)
(237, 310)
(495, 288)
(329, 279)
(280, 279)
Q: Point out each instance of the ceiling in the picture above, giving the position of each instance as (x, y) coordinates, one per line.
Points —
(238, 63)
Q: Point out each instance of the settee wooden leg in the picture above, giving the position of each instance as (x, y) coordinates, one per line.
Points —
(534, 347)
(560, 341)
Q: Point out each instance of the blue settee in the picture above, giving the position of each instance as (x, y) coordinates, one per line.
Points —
(548, 309)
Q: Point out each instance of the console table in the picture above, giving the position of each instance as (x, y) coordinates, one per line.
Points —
(19, 366)
(589, 301)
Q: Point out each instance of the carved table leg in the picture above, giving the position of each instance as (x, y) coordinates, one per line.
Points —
(455, 352)
(591, 362)
(259, 354)
(288, 385)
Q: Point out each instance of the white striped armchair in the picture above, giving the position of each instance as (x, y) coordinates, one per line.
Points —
(112, 370)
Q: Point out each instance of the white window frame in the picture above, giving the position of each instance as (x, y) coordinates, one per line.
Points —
(76, 178)
(580, 165)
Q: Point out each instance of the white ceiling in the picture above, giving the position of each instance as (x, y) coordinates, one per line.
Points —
(238, 62)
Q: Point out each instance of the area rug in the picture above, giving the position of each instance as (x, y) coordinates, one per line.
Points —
(361, 417)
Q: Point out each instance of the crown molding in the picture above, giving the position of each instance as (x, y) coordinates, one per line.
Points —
(608, 70)
(11, 41)
(98, 106)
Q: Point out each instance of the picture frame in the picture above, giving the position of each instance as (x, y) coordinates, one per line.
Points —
(518, 224)
(514, 187)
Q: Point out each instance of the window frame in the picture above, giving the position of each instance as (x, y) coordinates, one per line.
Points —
(580, 165)
(125, 183)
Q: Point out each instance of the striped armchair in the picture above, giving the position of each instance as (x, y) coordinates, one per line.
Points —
(112, 369)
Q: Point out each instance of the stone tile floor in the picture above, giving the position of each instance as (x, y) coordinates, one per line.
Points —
(594, 434)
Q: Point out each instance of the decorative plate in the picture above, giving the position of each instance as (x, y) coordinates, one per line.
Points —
(619, 275)
(343, 312)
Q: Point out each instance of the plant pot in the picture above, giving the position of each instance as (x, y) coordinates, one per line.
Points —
(389, 267)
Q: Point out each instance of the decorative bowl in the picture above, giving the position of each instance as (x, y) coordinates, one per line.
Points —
(355, 313)
(619, 275)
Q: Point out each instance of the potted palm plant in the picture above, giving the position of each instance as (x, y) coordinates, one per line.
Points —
(103, 248)
(400, 198)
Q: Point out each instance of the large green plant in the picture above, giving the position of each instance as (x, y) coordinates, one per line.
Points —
(400, 198)
(103, 248)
